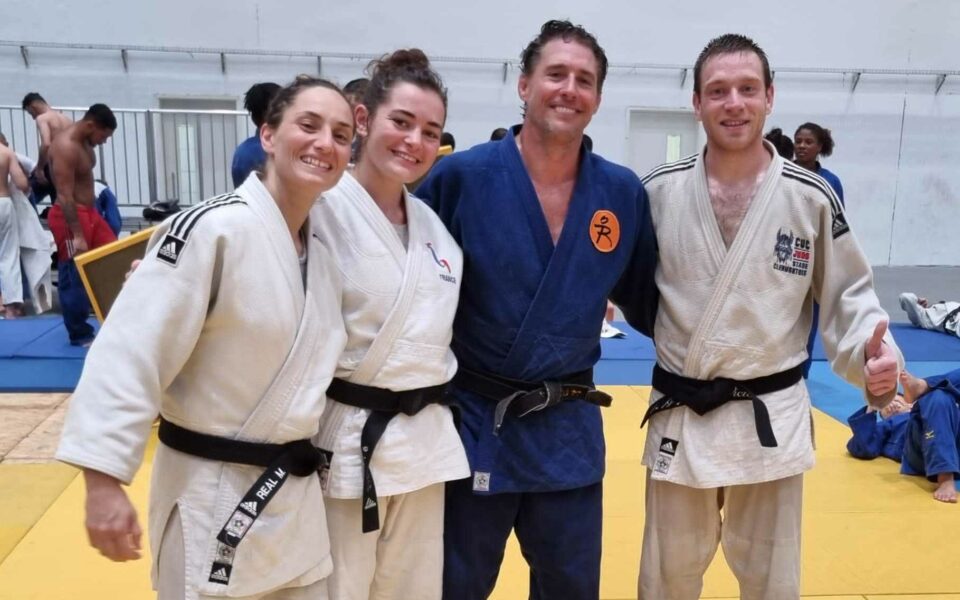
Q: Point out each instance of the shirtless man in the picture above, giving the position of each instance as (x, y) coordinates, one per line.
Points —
(74, 221)
(49, 123)
(11, 281)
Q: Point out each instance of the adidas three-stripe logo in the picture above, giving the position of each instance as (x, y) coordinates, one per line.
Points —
(184, 222)
(169, 251)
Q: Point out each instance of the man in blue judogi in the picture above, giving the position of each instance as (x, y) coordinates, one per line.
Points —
(921, 431)
(548, 229)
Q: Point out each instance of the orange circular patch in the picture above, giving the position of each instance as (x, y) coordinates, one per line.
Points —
(604, 231)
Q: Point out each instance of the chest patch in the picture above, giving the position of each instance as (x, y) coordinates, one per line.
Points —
(446, 273)
(792, 254)
(604, 231)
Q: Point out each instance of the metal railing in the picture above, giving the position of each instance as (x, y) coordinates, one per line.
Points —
(154, 154)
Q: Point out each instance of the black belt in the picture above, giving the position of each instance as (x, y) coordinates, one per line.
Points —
(299, 458)
(702, 396)
(384, 406)
(520, 398)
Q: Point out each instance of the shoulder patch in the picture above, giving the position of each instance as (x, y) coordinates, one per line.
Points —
(171, 248)
(838, 219)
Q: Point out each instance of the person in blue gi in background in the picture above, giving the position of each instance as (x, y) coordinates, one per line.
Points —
(249, 155)
(106, 203)
(548, 228)
(921, 431)
(810, 142)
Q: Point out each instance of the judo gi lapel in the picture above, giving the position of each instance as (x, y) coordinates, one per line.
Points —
(530, 203)
(407, 259)
(263, 420)
(275, 230)
(304, 355)
(727, 262)
(555, 280)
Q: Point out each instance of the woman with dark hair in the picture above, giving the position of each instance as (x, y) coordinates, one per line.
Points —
(810, 142)
(393, 437)
(782, 143)
(230, 329)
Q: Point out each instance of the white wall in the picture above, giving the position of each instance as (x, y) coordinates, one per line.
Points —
(897, 142)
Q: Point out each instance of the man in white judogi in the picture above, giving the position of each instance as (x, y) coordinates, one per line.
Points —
(747, 243)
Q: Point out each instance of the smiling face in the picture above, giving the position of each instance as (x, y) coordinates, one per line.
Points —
(310, 147)
(562, 93)
(733, 101)
(402, 137)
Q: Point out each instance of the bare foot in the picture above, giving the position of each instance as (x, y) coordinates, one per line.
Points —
(946, 491)
(913, 387)
(13, 311)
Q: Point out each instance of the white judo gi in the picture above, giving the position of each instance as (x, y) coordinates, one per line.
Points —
(943, 316)
(399, 302)
(218, 332)
(743, 313)
(25, 250)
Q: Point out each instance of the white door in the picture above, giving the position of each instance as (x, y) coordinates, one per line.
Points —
(659, 136)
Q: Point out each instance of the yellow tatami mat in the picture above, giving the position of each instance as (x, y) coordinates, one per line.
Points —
(869, 533)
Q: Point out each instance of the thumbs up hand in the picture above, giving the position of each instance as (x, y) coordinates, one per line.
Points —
(880, 363)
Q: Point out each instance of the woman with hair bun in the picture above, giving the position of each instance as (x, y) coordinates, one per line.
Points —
(811, 141)
(387, 422)
(781, 142)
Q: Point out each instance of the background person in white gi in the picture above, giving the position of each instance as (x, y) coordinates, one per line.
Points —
(185, 338)
(747, 243)
(401, 282)
(11, 279)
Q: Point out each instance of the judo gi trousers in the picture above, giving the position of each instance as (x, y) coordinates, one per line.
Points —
(759, 530)
(171, 573)
(73, 296)
(402, 560)
(559, 535)
(933, 436)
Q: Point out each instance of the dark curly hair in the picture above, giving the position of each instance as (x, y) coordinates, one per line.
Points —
(566, 31)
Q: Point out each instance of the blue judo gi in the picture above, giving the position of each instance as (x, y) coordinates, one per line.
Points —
(834, 182)
(531, 311)
(247, 158)
(925, 441)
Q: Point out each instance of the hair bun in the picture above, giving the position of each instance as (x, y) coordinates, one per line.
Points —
(407, 58)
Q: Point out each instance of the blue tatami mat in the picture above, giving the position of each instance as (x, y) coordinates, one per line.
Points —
(17, 333)
(53, 343)
(36, 355)
(916, 344)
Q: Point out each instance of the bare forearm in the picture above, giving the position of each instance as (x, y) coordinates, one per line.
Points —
(69, 208)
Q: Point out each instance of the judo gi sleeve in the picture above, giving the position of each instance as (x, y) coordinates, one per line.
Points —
(849, 308)
(636, 291)
(147, 338)
(869, 435)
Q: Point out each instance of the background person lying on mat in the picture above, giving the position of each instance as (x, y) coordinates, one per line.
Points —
(920, 430)
(942, 316)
